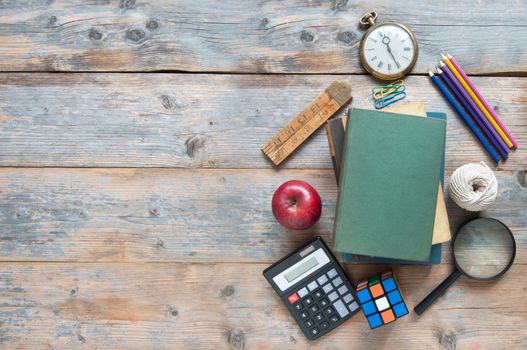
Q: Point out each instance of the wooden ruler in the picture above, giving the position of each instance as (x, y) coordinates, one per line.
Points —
(287, 140)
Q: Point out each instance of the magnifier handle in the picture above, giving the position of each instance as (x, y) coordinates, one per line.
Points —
(436, 293)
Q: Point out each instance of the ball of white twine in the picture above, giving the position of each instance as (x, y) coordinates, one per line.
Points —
(473, 186)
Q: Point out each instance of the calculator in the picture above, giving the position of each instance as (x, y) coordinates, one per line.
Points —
(314, 288)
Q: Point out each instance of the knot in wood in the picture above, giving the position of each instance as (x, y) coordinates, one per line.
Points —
(159, 243)
(52, 20)
(346, 37)
(339, 4)
(193, 144)
(306, 36)
(236, 339)
(152, 24)
(448, 339)
(94, 34)
(227, 291)
(263, 23)
(169, 102)
(135, 35)
(127, 4)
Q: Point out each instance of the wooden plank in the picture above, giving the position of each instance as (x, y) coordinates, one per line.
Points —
(214, 121)
(138, 306)
(254, 36)
(180, 215)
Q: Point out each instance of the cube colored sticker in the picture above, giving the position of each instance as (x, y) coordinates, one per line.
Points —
(369, 308)
(389, 284)
(375, 321)
(363, 295)
(376, 290)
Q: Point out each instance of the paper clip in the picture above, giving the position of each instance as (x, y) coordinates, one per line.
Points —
(388, 100)
(383, 91)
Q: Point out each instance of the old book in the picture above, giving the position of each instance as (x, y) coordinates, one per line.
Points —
(335, 129)
(386, 207)
(435, 251)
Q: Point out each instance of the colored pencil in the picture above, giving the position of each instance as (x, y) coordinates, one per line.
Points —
(482, 99)
(476, 100)
(464, 116)
(446, 75)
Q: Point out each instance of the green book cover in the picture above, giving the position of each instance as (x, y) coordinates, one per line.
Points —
(388, 190)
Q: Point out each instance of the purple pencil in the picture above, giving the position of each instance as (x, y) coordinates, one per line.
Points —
(482, 99)
(476, 113)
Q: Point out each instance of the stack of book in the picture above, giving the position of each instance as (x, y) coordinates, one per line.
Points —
(390, 167)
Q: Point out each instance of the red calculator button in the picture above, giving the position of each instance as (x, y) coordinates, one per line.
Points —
(293, 298)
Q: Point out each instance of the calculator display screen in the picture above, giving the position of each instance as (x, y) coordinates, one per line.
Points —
(300, 270)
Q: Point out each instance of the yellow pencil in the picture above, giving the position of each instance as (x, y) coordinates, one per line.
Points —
(477, 101)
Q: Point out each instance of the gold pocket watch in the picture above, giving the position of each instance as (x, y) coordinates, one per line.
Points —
(388, 50)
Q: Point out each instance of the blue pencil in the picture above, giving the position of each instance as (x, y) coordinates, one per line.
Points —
(456, 93)
(463, 115)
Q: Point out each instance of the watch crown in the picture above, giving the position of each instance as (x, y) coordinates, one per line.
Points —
(368, 19)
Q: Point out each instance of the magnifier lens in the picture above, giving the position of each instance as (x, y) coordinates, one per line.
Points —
(483, 248)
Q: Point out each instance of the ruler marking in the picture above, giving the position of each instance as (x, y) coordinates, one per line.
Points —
(307, 121)
(292, 143)
(294, 124)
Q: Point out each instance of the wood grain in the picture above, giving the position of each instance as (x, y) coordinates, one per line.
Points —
(216, 215)
(135, 208)
(226, 306)
(254, 36)
(206, 121)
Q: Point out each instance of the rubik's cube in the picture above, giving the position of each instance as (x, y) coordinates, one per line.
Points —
(381, 299)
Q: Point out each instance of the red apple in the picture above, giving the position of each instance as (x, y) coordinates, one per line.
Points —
(296, 205)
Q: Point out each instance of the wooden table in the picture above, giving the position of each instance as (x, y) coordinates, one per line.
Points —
(135, 201)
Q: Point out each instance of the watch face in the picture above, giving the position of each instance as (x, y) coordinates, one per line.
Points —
(388, 51)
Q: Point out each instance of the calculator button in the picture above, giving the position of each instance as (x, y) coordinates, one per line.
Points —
(328, 311)
(323, 302)
(299, 306)
(337, 281)
(308, 301)
(327, 288)
(318, 294)
(304, 315)
(302, 292)
(313, 308)
(341, 309)
(324, 325)
(334, 318)
(343, 290)
(333, 296)
(310, 323)
(314, 331)
(348, 298)
(319, 317)
(312, 285)
(293, 298)
(322, 279)
(332, 273)
(353, 306)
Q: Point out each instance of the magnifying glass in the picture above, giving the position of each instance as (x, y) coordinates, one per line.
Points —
(484, 249)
